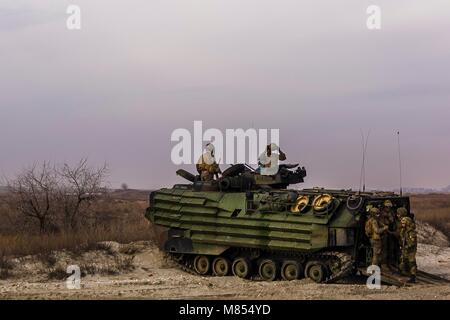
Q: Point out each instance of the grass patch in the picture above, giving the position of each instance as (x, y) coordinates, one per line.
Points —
(118, 217)
(434, 209)
(24, 244)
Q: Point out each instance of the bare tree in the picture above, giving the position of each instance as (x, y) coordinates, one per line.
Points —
(57, 196)
(33, 193)
(80, 185)
(124, 186)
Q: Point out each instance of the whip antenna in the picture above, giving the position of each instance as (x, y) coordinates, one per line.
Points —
(399, 162)
(362, 162)
(362, 179)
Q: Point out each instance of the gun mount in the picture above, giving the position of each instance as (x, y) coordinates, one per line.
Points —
(242, 177)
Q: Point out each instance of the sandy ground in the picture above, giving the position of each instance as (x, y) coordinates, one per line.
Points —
(153, 277)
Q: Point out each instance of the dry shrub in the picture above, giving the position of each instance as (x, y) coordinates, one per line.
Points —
(22, 244)
(58, 273)
(5, 266)
(434, 209)
(124, 263)
(110, 218)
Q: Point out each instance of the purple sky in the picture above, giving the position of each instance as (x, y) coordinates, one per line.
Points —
(115, 90)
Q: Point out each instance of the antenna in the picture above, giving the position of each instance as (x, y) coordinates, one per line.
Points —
(362, 162)
(365, 152)
(362, 179)
(399, 162)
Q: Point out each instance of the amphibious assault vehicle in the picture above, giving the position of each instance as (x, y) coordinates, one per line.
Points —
(253, 226)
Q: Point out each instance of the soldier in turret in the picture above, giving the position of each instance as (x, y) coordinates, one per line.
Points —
(206, 164)
(408, 244)
(268, 160)
(375, 230)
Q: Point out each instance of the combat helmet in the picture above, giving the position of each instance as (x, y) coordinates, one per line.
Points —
(374, 211)
(388, 203)
(408, 223)
(402, 212)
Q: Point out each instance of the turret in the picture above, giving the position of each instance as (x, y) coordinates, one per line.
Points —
(241, 177)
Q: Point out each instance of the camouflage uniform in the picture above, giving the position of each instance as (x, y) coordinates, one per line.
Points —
(387, 214)
(408, 245)
(394, 232)
(401, 212)
(374, 231)
(388, 240)
(206, 164)
(207, 171)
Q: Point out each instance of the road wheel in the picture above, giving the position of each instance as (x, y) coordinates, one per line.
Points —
(241, 268)
(315, 271)
(221, 267)
(291, 270)
(268, 270)
(202, 265)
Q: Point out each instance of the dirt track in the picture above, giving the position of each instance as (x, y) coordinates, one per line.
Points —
(155, 278)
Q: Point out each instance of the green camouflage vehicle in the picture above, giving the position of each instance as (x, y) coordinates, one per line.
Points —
(254, 227)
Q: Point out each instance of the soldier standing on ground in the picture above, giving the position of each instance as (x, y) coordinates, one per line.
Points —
(387, 239)
(401, 212)
(408, 244)
(206, 164)
(374, 231)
